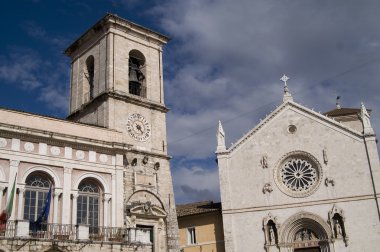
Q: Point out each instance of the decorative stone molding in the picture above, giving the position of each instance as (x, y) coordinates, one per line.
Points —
(103, 158)
(21, 191)
(57, 192)
(29, 147)
(325, 159)
(145, 160)
(79, 154)
(67, 169)
(3, 142)
(147, 209)
(15, 163)
(298, 166)
(156, 166)
(55, 151)
(264, 162)
(107, 197)
(291, 228)
(329, 181)
(267, 188)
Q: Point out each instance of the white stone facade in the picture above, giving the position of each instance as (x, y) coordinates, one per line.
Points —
(130, 167)
(301, 181)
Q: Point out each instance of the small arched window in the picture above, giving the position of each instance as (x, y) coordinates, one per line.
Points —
(89, 76)
(88, 207)
(36, 190)
(137, 73)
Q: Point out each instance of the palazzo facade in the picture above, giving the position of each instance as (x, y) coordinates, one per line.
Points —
(107, 164)
(302, 181)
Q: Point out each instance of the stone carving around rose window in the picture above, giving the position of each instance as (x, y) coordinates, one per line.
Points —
(298, 174)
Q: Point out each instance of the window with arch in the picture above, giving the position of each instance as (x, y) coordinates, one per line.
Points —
(137, 73)
(88, 204)
(88, 88)
(36, 190)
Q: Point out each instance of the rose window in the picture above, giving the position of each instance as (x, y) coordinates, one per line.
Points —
(298, 175)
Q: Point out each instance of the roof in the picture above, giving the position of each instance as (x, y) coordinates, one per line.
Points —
(198, 208)
(343, 112)
(109, 17)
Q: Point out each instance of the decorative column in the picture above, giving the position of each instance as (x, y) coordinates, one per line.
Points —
(113, 202)
(74, 196)
(57, 193)
(13, 169)
(66, 194)
(21, 194)
(106, 199)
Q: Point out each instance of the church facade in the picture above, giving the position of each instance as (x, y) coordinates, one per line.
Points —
(107, 165)
(302, 181)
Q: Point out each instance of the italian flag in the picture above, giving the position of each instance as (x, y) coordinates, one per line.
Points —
(4, 216)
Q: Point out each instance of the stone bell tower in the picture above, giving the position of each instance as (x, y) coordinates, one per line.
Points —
(117, 83)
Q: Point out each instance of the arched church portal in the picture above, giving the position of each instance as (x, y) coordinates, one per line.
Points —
(305, 232)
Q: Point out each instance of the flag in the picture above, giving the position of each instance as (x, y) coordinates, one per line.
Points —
(7, 212)
(43, 216)
(8, 209)
(46, 209)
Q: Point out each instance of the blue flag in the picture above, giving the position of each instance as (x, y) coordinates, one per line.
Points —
(45, 210)
(44, 215)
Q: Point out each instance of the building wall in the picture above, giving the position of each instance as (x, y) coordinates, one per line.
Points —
(250, 192)
(208, 231)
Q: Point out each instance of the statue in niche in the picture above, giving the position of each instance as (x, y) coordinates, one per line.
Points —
(264, 162)
(338, 230)
(272, 236)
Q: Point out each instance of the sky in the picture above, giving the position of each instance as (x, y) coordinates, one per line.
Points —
(224, 62)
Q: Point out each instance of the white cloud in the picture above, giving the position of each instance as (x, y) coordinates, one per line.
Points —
(194, 183)
(226, 58)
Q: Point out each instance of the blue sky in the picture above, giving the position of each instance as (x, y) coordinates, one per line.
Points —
(224, 63)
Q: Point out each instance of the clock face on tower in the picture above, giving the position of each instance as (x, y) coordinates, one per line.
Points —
(138, 127)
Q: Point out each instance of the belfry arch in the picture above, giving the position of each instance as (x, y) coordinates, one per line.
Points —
(305, 232)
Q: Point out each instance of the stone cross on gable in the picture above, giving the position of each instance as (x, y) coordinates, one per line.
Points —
(287, 95)
(284, 78)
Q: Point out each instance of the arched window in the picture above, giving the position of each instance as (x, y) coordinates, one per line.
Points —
(88, 204)
(36, 190)
(137, 73)
(89, 75)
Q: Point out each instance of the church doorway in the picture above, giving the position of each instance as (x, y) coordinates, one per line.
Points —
(308, 250)
(305, 232)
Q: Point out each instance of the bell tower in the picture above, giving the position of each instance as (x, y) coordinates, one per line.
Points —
(117, 83)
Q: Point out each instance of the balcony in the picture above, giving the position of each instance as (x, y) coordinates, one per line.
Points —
(21, 229)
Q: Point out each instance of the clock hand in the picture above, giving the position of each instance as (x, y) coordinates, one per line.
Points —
(139, 128)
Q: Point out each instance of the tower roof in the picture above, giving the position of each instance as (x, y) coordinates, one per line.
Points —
(110, 18)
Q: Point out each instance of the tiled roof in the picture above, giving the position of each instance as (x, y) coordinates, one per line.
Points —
(343, 112)
(198, 208)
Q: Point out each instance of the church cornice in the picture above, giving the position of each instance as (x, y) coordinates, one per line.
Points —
(280, 108)
(59, 139)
